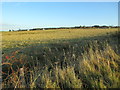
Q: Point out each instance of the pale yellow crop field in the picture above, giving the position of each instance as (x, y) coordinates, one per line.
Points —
(16, 39)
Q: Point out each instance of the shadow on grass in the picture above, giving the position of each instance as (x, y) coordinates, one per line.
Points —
(52, 53)
(110, 38)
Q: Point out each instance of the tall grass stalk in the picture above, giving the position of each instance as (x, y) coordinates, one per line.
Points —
(96, 67)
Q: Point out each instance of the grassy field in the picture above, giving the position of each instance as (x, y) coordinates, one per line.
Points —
(67, 58)
(16, 39)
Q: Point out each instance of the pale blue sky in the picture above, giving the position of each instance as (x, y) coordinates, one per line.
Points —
(27, 15)
(60, 0)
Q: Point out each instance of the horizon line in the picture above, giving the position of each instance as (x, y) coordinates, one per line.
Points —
(62, 27)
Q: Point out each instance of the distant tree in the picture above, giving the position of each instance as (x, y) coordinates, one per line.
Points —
(83, 26)
(96, 26)
(104, 26)
(19, 30)
(9, 30)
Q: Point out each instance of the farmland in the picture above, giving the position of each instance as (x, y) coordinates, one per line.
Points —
(66, 58)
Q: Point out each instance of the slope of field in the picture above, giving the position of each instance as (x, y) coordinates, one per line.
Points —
(23, 38)
(79, 58)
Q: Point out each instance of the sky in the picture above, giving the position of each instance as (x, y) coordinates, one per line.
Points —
(27, 15)
(60, 0)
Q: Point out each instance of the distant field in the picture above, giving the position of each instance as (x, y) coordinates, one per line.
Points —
(23, 38)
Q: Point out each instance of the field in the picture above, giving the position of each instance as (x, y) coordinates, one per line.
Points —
(17, 39)
(62, 58)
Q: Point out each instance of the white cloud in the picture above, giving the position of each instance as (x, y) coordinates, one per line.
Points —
(9, 27)
(6, 26)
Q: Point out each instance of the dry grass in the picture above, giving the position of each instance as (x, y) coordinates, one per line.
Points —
(84, 64)
(23, 38)
(94, 69)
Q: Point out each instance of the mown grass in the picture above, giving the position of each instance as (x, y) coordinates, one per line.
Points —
(86, 63)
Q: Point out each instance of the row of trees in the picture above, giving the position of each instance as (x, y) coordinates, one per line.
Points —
(76, 27)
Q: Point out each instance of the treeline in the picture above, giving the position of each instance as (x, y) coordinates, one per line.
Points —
(76, 27)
